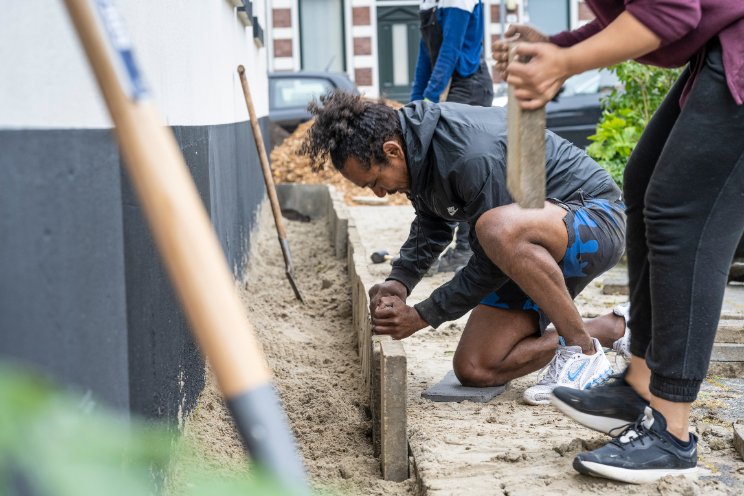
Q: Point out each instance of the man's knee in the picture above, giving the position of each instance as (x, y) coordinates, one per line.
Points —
(471, 373)
(497, 231)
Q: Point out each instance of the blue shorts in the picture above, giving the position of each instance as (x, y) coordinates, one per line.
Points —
(596, 241)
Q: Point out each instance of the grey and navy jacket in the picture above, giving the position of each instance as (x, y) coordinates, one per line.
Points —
(456, 157)
(451, 42)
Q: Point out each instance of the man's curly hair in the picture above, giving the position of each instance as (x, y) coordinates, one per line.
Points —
(348, 125)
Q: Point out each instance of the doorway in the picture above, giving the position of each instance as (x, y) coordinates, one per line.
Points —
(398, 41)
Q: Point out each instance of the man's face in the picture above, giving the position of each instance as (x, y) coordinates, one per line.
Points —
(382, 179)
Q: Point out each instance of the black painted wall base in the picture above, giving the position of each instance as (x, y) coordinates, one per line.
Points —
(83, 294)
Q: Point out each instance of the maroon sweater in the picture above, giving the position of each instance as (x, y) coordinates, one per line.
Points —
(684, 27)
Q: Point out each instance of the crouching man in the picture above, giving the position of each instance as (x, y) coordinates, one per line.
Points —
(527, 265)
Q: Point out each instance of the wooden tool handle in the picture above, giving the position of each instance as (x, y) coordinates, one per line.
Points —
(265, 168)
(177, 218)
(525, 178)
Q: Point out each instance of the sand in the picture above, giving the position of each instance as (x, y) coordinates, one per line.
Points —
(311, 350)
(503, 447)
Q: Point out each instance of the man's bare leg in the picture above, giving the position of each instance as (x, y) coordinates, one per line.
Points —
(499, 345)
(527, 244)
(606, 328)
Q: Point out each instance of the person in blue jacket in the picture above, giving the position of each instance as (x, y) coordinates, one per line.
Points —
(451, 67)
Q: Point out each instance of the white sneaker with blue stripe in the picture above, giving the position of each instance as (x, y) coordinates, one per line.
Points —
(570, 368)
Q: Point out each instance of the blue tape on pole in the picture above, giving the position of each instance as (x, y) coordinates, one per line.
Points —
(127, 70)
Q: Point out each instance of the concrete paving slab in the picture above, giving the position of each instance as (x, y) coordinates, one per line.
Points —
(739, 437)
(730, 331)
(449, 389)
(728, 352)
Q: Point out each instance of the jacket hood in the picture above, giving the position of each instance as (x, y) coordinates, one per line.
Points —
(418, 121)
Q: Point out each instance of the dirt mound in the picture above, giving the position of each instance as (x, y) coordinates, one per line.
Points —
(290, 167)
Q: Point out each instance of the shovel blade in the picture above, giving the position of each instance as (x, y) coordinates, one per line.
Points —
(290, 278)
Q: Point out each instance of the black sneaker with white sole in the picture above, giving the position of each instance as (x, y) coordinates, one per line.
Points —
(608, 408)
(644, 452)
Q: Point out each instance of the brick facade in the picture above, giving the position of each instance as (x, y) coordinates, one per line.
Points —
(495, 13)
(360, 16)
(282, 48)
(363, 45)
(363, 77)
(282, 18)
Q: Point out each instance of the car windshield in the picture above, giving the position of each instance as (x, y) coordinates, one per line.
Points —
(590, 83)
(297, 92)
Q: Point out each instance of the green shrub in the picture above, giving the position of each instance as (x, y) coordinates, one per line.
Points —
(54, 443)
(626, 113)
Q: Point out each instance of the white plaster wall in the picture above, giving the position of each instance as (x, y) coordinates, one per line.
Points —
(188, 51)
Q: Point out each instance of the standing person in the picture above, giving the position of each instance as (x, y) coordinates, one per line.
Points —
(527, 265)
(684, 189)
(451, 61)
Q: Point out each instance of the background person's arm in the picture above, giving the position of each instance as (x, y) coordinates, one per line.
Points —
(454, 25)
(422, 73)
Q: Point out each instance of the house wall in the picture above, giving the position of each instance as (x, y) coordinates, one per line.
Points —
(84, 297)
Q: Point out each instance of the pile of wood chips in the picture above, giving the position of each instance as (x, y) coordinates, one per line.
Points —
(289, 166)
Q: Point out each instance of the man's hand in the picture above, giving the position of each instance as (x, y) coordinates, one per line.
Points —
(387, 288)
(396, 319)
(515, 32)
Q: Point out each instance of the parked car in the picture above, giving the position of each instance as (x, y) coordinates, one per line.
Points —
(575, 112)
(290, 92)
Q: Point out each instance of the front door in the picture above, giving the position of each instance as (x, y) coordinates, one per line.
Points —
(398, 41)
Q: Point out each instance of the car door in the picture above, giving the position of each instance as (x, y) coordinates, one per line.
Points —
(577, 109)
(574, 117)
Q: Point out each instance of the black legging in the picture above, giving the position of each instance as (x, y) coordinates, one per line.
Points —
(684, 191)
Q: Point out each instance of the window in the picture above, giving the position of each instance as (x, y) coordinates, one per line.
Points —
(590, 82)
(297, 92)
(322, 35)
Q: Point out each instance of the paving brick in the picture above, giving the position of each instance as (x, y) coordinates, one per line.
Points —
(341, 232)
(730, 331)
(739, 437)
(526, 154)
(375, 398)
(394, 438)
(727, 352)
(615, 286)
(726, 369)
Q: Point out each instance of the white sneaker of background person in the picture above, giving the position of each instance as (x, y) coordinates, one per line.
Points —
(570, 368)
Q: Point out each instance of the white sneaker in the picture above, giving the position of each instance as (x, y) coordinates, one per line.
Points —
(622, 345)
(571, 368)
